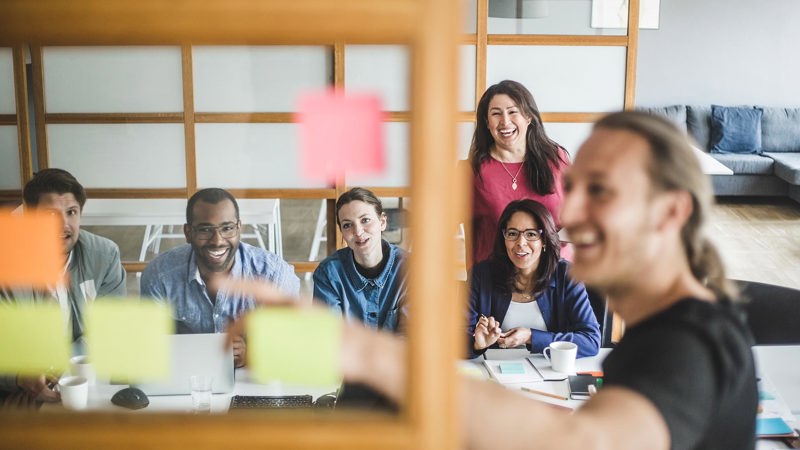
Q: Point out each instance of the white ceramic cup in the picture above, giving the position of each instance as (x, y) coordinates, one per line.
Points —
(80, 366)
(74, 392)
(562, 356)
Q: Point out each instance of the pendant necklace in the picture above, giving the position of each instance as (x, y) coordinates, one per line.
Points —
(513, 177)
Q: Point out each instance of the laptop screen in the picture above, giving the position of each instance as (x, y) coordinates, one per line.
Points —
(195, 354)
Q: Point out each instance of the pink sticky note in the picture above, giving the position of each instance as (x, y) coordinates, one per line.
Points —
(340, 133)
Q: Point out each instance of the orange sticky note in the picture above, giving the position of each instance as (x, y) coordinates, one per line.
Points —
(340, 132)
(31, 252)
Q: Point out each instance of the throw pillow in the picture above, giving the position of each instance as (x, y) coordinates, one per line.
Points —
(675, 113)
(735, 129)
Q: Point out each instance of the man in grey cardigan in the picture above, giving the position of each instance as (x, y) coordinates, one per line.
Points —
(91, 262)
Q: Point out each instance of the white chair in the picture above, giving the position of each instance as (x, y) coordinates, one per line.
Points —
(159, 216)
(319, 234)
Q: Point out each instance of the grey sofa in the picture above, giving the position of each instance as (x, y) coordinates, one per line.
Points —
(773, 172)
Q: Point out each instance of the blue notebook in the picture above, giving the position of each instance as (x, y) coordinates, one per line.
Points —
(772, 427)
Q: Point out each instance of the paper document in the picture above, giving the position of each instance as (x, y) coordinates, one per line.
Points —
(505, 371)
(544, 368)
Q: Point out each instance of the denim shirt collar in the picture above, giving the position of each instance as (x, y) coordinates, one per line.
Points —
(359, 281)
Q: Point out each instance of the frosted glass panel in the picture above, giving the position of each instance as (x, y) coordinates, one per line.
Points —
(113, 79)
(7, 96)
(470, 16)
(257, 79)
(569, 135)
(465, 132)
(397, 148)
(9, 158)
(249, 155)
(547, 17)
(383, 69)
(120, 155)
(467, 78)
(563, 79)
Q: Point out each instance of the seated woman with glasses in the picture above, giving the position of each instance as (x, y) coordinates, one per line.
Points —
(522, 294)
(367, 279)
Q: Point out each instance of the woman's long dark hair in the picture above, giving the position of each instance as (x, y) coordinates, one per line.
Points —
(504, 270)
(541, 153)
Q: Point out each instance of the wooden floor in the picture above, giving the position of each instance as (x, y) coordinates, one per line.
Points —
(759, 239)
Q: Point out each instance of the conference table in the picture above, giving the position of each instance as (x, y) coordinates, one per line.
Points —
(777, 367)
(100, 396)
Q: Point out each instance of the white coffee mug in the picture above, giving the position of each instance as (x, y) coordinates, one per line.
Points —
(562, 356)
(80, 366)
(74, 392)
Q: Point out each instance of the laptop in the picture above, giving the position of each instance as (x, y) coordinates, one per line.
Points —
(195, 354)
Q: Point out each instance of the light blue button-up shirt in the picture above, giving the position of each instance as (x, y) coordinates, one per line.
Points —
(173, 278)
(378, 302)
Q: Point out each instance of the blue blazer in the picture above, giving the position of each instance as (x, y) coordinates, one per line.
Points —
(564, 304)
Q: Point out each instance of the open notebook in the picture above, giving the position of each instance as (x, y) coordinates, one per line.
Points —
(512, 371)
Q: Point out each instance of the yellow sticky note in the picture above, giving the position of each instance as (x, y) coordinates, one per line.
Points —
(31, 249)
(294, 346)
(33, 340)
(128, 339)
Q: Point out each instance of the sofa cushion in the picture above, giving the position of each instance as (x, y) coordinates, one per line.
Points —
(787, 166)
(745, 164)
(780, 130)
(698, 124)
(735, 129)
(675, 114)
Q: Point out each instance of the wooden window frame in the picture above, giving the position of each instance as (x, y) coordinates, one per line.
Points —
(430, 417)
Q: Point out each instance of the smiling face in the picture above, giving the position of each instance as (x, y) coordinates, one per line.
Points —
(67, 208)
(524, 254)
(609, 210)
(507, 124)
(361, 229)
(213, 252)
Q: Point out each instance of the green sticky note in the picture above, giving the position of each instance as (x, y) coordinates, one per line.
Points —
(33, 339)
(294, 346)
(128, 339)
(512, 368)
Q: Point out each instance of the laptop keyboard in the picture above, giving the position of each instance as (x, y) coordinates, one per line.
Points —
(266, 402)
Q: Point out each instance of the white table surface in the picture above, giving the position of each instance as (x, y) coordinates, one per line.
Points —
(100, 396)
(165, 211)
(710, 165)
(780, 364)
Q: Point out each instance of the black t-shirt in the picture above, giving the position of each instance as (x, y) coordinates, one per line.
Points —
(694, 363)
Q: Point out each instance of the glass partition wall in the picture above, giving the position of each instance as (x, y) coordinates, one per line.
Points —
(153, 123)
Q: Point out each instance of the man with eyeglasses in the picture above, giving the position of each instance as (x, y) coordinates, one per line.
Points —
(185, 277)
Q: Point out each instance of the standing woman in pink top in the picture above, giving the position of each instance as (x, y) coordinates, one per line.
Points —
(512, 159)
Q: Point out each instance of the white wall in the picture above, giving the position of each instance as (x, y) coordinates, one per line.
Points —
(725, 52)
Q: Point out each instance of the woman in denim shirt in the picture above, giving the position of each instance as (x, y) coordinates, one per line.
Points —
(522, 294)
(367, 279)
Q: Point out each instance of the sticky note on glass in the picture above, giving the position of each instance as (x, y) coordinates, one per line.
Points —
(31, 249)
(128, 339)
(294, 346)
(340, 132)
(512, 368)
(33, 339)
